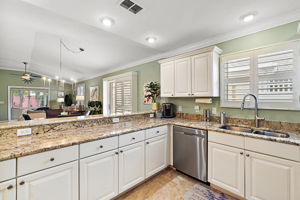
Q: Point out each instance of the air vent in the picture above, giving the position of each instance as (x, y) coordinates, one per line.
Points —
(135, 9)
(131, 6)
(126, 4)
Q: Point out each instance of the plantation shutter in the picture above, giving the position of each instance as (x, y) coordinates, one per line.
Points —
(270, 73)
(123, 97)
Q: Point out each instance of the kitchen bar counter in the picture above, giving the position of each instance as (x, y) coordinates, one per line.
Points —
(12, 146)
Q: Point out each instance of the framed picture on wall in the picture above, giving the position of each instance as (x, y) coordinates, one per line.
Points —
(94, 93)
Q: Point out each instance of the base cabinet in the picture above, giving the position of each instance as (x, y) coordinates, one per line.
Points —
(99, 176)
(156, 155)
(131, 165)
(271, 178)
(59, 183)
(8, 190)
(226, 167)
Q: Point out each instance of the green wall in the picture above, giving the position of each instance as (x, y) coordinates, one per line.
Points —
(150, 72)
(7, 79)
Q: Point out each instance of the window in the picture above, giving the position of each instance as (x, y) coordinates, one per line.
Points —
(270, 73)
(26, 99)
(119, 94)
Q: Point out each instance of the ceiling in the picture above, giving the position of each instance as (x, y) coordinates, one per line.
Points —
(31, 30)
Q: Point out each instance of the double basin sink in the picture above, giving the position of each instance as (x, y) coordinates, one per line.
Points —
(257, 132)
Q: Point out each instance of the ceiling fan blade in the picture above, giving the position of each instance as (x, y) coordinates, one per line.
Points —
(15, 74)
(35, 76)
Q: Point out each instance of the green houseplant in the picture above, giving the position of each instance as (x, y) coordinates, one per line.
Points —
(95, 107)
(152, 93)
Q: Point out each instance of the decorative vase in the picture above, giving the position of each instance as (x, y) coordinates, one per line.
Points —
(155, 106)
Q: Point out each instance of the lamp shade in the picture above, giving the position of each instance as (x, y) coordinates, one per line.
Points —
(60, 100)
(79, 98)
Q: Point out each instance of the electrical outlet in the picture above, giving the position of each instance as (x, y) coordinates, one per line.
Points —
(151, 115)
(197, 108)
(24, 131)
(179, 108)
(214, 111)
(115, 120)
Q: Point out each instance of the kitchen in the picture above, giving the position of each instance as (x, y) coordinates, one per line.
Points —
(157, 115)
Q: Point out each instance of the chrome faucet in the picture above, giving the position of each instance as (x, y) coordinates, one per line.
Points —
(257, 118)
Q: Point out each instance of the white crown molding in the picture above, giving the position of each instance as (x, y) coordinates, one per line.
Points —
(271, 23)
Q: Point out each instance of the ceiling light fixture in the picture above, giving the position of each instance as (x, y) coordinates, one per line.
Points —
(107, 21)
(248, 17)
(151, 40)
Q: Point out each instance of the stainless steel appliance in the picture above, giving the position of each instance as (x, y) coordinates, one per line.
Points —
(168, 110)
(190, 152)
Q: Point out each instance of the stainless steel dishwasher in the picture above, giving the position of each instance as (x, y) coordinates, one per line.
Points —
(190, 152)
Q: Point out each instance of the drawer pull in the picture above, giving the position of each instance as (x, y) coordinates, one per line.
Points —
(51, 159)
(133, 138)
(22, 183)
(241, 153)
(247, 155)
(10, 187)
(116, 153)
(101, 146)
(121, 151)
(157, 131)
(147, 143)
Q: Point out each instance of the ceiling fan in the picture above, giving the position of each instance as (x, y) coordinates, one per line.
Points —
(27, 77)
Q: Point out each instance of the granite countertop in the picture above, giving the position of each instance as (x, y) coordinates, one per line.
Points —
(13, 146)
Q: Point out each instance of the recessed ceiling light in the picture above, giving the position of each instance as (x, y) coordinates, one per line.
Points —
(107, 21)
(151, 40)
(248, 17)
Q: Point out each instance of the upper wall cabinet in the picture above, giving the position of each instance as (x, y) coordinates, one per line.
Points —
(195, 74)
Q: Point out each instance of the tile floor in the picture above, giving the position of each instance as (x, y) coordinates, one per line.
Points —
(171, 185)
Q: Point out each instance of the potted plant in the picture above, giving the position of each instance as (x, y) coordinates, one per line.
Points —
(152, 93)
(95, 107)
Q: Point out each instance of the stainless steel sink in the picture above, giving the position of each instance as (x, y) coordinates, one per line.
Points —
(258, 132)
(237, 128)
(271, 133)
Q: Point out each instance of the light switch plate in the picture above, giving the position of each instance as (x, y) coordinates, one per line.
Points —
(197, 108)
(24, 131)
(179, 108)
(115, 120)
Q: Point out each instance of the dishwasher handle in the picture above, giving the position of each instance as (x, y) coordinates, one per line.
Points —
(197, 134)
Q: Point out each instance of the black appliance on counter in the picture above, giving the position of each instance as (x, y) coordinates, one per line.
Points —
(168, 110)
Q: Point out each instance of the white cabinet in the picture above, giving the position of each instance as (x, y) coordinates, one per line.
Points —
(271, 178)
(226, 167)
(59, 183)
(167, 79)
(156, 155)
(8, 190)
(99, 176)
(131, 165)
(195, 74)
(183, 77)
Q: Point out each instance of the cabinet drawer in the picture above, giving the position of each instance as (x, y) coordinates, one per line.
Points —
(7, 169)
(287, 151)
(99, 146)
(36, 162)
(226, 139)
(131, 138)
(152, 132)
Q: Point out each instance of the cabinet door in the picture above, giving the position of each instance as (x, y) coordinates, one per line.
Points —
(183, 77)
(99, 176)
(59, 183)
(156, 155)
(167, 79)
(270, 178)
(201, 75)
(8, 190)
(226, 167)
(131, 165)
